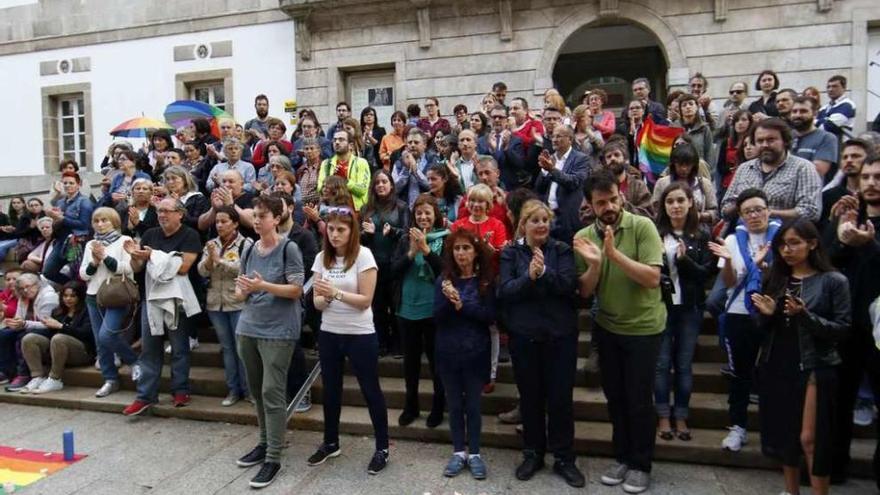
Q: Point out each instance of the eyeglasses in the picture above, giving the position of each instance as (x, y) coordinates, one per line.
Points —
(167, 210)
(752, 212)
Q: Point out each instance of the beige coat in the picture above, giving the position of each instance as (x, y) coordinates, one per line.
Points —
(221, 279)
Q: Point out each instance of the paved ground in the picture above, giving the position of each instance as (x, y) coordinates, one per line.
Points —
(155, 455)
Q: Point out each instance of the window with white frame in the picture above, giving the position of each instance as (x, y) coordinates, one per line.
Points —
(213, 93)
(72, 129)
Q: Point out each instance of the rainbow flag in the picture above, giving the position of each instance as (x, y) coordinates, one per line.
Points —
(654, 143)
(20, 467)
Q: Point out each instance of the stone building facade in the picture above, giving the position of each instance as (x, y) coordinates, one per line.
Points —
(401, 51)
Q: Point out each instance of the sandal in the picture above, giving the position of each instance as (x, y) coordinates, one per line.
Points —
(667, 435)
(685, 435)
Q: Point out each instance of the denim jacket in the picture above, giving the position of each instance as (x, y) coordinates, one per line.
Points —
(824, 321)
(77, 215)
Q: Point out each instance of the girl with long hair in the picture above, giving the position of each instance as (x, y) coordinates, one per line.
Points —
(345, 281)
(384, 220)
(728, 157)
(71, 342)
(805, 311)
(687, 264)
(445, 189)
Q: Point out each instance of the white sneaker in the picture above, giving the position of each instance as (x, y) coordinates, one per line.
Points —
(863, 415)
(49, 385)
(735, 439)
(193, 343)
(32, 385)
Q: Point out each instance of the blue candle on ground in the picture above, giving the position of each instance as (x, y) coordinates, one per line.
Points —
(68, 445)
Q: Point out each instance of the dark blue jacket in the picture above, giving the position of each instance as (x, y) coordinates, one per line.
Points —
(465, 333)
(544, 308)
(511, 161)
(569, 193)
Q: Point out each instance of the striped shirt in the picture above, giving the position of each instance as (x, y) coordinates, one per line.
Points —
(794, 184)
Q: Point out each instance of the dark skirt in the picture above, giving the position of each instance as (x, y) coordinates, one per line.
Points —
(782, 411)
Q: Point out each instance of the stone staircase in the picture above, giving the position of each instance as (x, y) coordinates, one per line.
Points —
(592, 429)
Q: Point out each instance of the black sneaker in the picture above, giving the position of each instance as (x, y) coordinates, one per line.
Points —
(378, 462)
(323, 453)
(253, 457)
(266, 476)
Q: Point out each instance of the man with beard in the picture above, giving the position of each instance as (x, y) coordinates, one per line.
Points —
(784, 101)
(258, 128)
(792, 185)
(843, 196)
(344, 163)
(633, 192)
(619, 259)
(855, 250)
(816, 145)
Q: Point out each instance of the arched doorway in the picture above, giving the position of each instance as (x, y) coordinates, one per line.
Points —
(609, 57)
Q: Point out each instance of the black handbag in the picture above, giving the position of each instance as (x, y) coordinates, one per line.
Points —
(118, 291)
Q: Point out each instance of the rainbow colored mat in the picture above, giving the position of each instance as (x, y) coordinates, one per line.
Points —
(22, 467)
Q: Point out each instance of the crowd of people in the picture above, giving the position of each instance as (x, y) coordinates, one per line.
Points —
(474, 240)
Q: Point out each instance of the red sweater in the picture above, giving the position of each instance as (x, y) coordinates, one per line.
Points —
(8, 298)
(498, 211)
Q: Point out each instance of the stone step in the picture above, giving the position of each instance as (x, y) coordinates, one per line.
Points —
(707, 350)
(592, 439)
(708, 410)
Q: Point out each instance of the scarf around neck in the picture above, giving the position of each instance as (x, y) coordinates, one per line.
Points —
(108, 238)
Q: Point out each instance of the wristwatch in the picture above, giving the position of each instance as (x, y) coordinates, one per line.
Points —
(338, 295)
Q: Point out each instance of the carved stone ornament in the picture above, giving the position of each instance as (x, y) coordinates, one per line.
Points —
(609, 8)
(720, 10)
(423, 17)
(505, 14)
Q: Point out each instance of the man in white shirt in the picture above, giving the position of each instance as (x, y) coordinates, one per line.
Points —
(559, 183)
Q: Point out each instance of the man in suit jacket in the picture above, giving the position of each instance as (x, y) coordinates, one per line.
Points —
(506, 149)
(559, 183)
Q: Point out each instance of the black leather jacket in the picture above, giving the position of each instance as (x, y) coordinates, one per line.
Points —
(694, 268)
(820, 326)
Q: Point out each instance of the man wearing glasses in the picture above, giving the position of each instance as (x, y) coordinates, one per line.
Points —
(505, 148)
(792, 185)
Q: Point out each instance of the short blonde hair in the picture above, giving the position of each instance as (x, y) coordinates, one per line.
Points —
(108, 213)
(529, 209)
(481, 192)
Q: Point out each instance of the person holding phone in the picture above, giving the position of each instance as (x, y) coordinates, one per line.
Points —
(804, 311)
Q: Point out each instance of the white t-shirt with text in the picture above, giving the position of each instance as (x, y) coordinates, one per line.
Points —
(341, 317)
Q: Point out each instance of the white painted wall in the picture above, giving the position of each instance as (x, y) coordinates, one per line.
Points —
(873, 79)
(134, 77)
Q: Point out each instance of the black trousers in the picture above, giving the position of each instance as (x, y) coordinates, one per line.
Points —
(418, 338)
(383, 311)
(742, 341)
(627, 364)
(860, 356)
(544, 373)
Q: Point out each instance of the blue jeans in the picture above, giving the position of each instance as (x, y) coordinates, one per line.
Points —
(153, 355)
(677, 352)
(5, 246)
(463, 380)
(107, 329)
(224, 324)
(54, 263)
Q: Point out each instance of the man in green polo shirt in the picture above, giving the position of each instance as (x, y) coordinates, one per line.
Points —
(618, 258)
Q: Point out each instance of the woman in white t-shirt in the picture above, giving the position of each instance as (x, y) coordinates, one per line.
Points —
(345, 276)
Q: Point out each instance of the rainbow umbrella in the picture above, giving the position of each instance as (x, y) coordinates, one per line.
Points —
(183, 112)
(139, 127)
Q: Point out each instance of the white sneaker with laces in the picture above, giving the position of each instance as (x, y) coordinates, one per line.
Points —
(735, 439)
(32, 385)
(49, 385)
